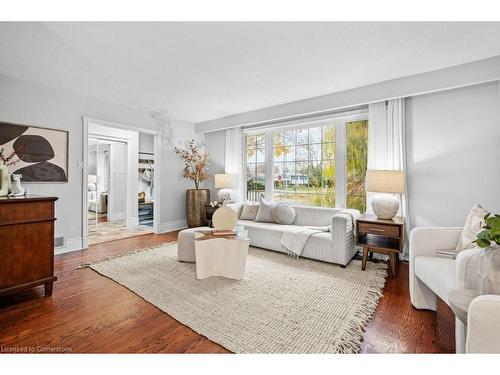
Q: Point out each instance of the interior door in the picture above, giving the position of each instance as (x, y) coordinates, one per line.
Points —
(117, 182)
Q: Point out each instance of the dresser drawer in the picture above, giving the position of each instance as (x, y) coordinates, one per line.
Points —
(380, 229)
(26, 212)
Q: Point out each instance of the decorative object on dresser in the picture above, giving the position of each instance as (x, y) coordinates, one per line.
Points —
(381, 236)
(16, 189)
(41, 154)
(4, 179)
(27, 251)
(385, 206)
(224, 182)
(195, 164)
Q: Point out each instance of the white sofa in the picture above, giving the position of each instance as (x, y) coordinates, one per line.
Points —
(432, 276)
(337, 246)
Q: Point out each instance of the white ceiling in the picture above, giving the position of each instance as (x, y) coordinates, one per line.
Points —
(202, 71)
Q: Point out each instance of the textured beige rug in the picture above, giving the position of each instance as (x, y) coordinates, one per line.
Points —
(284, 305)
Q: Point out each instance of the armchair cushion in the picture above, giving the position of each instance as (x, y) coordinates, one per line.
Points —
(437, 273)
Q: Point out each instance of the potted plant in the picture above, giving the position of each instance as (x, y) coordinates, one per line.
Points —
(489, 262)
(195, 164)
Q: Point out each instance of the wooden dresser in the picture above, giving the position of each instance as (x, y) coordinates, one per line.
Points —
(26, 243)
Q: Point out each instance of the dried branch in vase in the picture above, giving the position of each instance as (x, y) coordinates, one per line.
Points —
(195, 162)
(8, 160)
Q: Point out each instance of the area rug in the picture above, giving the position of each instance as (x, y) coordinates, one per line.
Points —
(284, 305)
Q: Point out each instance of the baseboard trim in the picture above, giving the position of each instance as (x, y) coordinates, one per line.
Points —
(72, 244)
(169, 226)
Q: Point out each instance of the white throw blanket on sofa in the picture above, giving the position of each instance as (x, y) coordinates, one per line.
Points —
(295, 240)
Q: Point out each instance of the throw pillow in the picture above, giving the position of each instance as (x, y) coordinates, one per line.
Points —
(265, 212)
(249, 211)
(473, 225)
(237, 207)
(283, 213)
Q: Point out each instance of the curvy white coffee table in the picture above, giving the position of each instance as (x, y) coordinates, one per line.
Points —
(220, 255)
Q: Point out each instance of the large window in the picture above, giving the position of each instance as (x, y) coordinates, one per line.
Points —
(304, 166)
(255, 166)
(323, 164)
(357, 156)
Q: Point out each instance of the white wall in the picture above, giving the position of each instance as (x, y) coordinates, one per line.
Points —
(27, 103)
(453, 151)
(215, 143)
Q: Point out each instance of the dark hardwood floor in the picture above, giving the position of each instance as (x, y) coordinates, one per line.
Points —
(89, 313)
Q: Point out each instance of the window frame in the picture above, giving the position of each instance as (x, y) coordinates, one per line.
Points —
(338, 120)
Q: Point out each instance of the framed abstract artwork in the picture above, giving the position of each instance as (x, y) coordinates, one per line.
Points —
(38, 154)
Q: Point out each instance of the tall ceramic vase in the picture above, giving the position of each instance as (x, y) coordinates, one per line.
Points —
(196, 199)
(489, 270)
(4, 179)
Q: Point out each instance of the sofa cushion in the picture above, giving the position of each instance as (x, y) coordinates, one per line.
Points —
(237, 207)
(319, 246)
(265, 211)
(283, 213)
(249, 211)
(438, 273)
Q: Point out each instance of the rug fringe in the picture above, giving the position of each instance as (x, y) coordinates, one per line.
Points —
(131, 252)
(350, 342)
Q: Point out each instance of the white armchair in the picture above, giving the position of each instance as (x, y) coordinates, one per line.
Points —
(432, 276)
(483, 325)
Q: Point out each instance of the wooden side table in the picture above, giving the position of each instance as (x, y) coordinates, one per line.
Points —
(209, 212)
(460, 301)
(381, 236)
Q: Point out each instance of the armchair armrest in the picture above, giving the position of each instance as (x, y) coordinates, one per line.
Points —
(467, 269)
(483, 325)
(343, 238)
(427, 240)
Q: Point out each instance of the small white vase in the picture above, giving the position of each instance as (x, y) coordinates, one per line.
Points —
(489, 270)
(4, 179)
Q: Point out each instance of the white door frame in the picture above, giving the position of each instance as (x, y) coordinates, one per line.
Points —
(157, 175)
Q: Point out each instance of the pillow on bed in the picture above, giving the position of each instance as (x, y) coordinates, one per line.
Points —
(249, 211)
(283, 213)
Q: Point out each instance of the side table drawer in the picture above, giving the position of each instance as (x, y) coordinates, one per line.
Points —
(383, 230)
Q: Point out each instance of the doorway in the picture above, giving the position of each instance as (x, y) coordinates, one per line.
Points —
(106, 187)
(118, 204)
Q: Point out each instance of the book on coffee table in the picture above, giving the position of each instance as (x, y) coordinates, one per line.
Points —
(216, 232)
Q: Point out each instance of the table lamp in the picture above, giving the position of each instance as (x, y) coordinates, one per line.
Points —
(223, 182)
(385, 206)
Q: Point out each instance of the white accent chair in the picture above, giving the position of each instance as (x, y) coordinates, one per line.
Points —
(432, 276)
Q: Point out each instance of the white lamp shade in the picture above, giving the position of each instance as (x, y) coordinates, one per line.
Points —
(379, 181)
(225, 180)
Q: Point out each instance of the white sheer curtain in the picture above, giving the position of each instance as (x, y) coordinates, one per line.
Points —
(386, 145)
(234, 161)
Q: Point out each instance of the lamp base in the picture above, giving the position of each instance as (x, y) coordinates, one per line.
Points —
(385, 206)
(224, 195)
